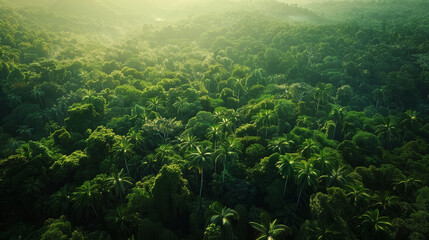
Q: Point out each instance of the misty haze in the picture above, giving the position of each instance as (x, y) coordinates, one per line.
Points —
(214, 119)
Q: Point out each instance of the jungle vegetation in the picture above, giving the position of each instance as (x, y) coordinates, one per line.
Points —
(214, 120)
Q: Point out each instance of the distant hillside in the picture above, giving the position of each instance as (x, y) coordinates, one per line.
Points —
(388, 12)
(29, 3)
(135, 12)
(85, 8)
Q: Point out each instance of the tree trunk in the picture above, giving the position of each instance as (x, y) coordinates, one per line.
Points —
(202, 179)
(266, 131)
(284, 190)
(318, 102)
(335, 129)
(93, 208)
(223, 173)
(126, 165)
(405, 134)
(299, 196)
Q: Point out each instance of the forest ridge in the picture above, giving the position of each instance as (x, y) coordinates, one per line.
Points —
(214, 119)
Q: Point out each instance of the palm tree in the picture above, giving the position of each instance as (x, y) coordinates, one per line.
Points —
(187, 142)
(280, 145)
(306, 176)
(121, 221)
(263, 119)
(385, 201)
(357, 194)
(180, 104)
(324, 160)
(155, 104)
(218, 115)
(379, 95)
(322, 93)
(87, 93)
(308, 147)
(119, 183)
(104, 188)
(337, 114)
(337, 176)
(163, 127)
(374, 226)
(38, 94)
(285, 166)
(405, 184)
(225, 124)
(84, 199)
(269, 230)
(409, 121)
(200, 159)
(123, 150)
(60, 202)
(322, 231)
(228, 151)
(136, 138)
(222, 216)
(386, 131)
(234, 116)
(163, 151)
(214, 134)
(150, 165)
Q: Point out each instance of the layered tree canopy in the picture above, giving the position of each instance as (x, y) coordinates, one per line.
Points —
(214, 120)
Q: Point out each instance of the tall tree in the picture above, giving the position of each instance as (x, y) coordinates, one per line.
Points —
(180, 105)
(306, 176)
(228, 151)
(188, 142)
(285, 166)
(214, 133)
(119, 183)
(337, 176)
(121, 222)
(409, 121)
(136, 138)
(374, 226)
(225, 124)
(222, 216)
(308, 147)
(322, 231)
(38, 94)
(405, 184)
(263, 119)
(337, 113)
(85, 198)
(280, 145)
(322, 93)
(60, 202)
(358, 195)
(385, 201)
(200, 159)
(386, 131)
(324, 160)
(123, 150)
(269, 230)
(163, 151)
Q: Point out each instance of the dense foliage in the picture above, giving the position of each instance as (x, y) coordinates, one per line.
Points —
(272, 123)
